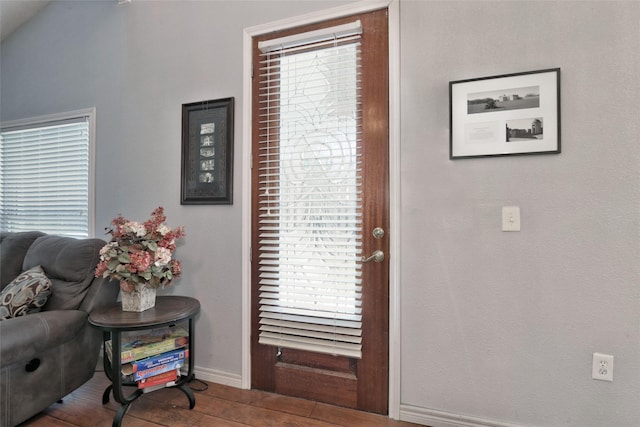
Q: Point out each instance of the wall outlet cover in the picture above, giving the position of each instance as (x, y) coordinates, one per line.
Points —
(602, 368)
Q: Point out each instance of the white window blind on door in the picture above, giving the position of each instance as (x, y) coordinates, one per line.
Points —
(44, 177)
(309, 192)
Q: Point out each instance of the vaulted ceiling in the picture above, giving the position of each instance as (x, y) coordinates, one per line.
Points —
(14, 13)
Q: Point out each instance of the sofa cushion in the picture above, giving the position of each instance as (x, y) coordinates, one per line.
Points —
(13, 248)
(26, 294)
(44, 331)
(69, 263)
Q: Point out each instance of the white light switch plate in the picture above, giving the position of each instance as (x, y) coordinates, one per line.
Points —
(510, 218)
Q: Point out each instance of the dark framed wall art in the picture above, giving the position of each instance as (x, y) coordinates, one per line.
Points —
(207, 152)
(505, 115)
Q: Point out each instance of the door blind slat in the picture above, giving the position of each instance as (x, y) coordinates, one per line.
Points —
(309, 172)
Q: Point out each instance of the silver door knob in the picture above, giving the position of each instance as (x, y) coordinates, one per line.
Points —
(378, 233)
(376, 256)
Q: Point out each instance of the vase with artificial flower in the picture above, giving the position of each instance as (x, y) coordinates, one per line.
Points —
(140, 256)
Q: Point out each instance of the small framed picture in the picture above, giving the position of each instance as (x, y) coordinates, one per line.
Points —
(207, 152)
(505, 115)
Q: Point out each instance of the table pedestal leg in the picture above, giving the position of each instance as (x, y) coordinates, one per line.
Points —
(117, 420)
(186, 390)
(105, 395)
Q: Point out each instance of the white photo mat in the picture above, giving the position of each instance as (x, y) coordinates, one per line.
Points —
(505, 115)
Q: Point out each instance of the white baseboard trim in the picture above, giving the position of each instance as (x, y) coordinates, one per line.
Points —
(435, 418)
(218, 377)
(410, 413)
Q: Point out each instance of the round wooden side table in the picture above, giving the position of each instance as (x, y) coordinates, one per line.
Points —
(112, 321)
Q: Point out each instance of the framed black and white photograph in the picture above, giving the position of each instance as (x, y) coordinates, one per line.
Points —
(207, 152)
(505, 115)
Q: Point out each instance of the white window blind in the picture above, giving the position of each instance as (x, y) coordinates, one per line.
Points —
(44, 176)
(309, 193)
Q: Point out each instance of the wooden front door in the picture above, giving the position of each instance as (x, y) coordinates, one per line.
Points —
(353, 381)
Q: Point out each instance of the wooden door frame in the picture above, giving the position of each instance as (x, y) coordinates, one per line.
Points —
(394, 180)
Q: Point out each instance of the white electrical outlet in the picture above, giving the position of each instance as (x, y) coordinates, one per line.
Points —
(602, 368)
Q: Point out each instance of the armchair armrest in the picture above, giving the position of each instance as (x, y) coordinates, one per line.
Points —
(23, 338)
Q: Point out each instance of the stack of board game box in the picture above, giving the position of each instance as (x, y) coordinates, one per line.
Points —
(152, 359)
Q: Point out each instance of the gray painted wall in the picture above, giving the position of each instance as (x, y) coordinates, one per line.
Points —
(496, 327)
(502, 326)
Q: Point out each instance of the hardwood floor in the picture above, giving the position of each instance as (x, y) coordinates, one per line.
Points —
(216, 405)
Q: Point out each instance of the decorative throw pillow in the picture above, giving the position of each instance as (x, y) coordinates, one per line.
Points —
(26, 294)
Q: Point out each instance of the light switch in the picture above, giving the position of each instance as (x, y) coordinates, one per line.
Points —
(510, 218)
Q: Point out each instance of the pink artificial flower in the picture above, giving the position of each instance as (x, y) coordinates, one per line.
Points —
(141, 260)
(149, 246)
(176, 267)
(157, 218)
(136, 228)
(163, 229)
(163, 256)
(101, 268)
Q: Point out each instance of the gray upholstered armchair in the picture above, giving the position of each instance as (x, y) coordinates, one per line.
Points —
(46, 355)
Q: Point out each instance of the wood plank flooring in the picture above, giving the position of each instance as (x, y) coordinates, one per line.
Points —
(216, 405)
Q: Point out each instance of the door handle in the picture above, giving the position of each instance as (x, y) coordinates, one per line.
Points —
(376, 256)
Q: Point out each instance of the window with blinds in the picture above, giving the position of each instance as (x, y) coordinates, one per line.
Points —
(45, 175)
(309, 198)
